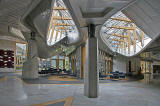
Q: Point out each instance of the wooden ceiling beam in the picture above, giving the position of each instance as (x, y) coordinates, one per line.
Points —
(122, 27)
(59, 8)
(61, 18)
(122, 19)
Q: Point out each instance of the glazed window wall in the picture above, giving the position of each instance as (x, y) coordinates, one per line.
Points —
(61, 24)
(20, 55)
(56, 62)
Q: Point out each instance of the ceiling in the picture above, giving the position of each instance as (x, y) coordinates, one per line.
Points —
(145, 13)
(10, 14)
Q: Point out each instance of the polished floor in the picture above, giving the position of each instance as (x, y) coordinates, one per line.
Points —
(14, 92)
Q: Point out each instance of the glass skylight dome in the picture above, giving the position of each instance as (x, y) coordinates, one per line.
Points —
(123, 36)
(61, 24)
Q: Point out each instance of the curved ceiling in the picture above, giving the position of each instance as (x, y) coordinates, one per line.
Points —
(61, 24)
(83, 13)
(123, 36)
(38, 20)
(146, 15)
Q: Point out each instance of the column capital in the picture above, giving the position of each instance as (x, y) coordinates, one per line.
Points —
(33, 34)
(91, 30)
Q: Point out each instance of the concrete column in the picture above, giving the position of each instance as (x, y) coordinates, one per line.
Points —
(91, 79)
(73, 64)
(119, 64)
(64, 63)
(145, 69)
(149, 67)
(108, 68)
(70, 64)
(30, 67)
(57, 62)
(150, 63)
(145, 65)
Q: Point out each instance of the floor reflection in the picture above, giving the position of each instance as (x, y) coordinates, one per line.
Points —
(148, 78)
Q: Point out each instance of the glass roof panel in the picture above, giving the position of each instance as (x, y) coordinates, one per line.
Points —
(123, 36)
(61, 24)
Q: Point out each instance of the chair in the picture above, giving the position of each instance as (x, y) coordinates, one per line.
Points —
(116, 75)
(122, 75)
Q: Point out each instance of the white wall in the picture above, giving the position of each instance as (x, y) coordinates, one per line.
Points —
(135, 65)
(119, 64)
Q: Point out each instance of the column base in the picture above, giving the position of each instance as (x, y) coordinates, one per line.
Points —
(30, 69)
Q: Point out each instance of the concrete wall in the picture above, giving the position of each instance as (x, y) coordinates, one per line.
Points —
(119, 64)
(7, 45)
(135, 65)
(145, 14)
(156, 76)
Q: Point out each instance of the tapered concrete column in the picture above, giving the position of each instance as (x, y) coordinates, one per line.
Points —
(108, 68)
(91, 79)
(30, 67)
(150, 63)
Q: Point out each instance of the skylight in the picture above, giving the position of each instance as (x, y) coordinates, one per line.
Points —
(61, 24)
(123, 36)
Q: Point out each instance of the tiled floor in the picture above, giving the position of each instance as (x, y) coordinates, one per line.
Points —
(14, 92)
(62, 78)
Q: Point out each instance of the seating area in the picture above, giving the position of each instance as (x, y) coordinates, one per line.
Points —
(113, 75)
(54, 71)
(64, 72)
(117, 75)
(102, 76)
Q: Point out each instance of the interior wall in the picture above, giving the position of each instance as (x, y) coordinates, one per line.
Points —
(119, 64)
(156, 72)
(7, 45)
(135, 65)
(145, 14)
